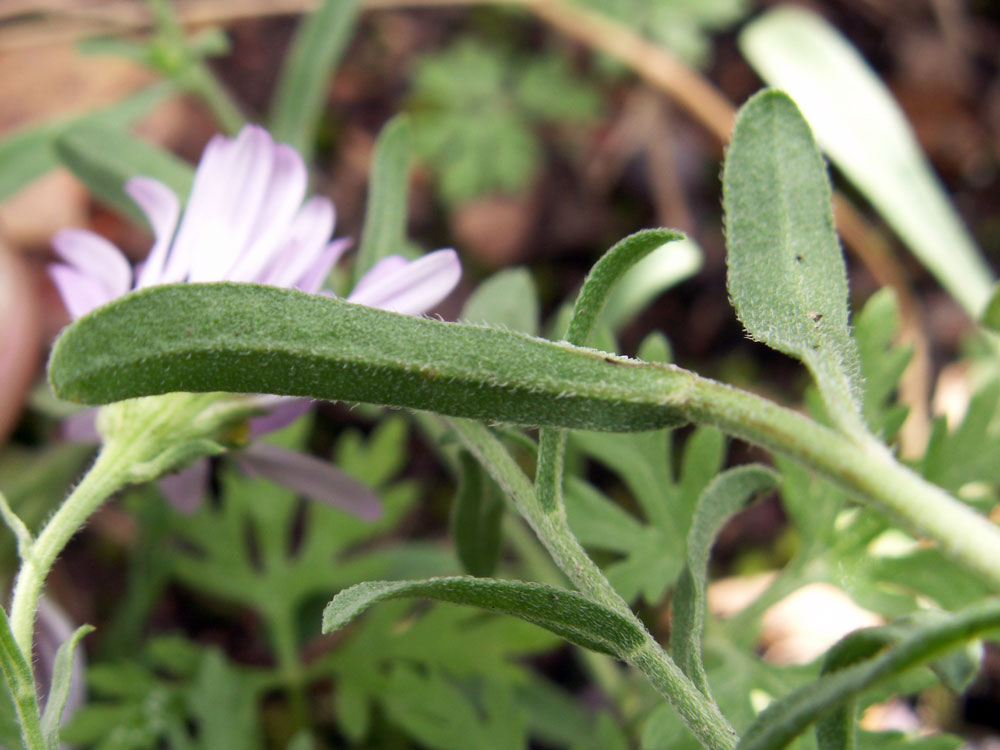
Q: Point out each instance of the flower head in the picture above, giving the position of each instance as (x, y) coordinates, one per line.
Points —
(246, 220)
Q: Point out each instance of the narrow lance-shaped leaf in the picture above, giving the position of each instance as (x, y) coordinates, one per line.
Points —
(20, 685)
(507, 299)
(246, 338)
(837, 729)
(105, 158)
(841, 97)
(786, 270)
(786, 718)
(476, 518)
(720, 500)
(566, 613)
(30, 153)
(318, 46)
(388, 186)
(62, 675)
(602, 278)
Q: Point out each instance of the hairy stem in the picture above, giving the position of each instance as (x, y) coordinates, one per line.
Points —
(699, 712)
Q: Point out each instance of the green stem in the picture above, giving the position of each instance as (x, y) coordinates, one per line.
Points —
(698, 711)
(108, 475)
(282, 629)
(862, 466)
(202, 82)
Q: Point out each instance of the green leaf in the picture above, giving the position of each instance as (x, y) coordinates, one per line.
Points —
(611, 267)
(105, 158)
(62, 674)
(440, 715)
(786, 270)
(968, 452)
(29, 153)
(882, 362)
(841, 97)
(565, 613)
(385, 216)
(991, 315)
(721, 499)
(476, 110)
(662, 269)
(319, 44)
(258, 339)
(787, 717)
(476, 518)
(507, 299)
(651, 553)
(20, 684)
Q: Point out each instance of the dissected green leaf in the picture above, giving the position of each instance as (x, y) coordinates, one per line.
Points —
(882, 363)
(968, 452)
(720, 500)
(440, 715)
(787, 278)
(565, 613)
(249, 338)
(384, 232)
(794, 49)
(319, 43)
(683, 26)
(475, 111)
(652, 553)
(476, 518)
(105, 158)
(507, 299)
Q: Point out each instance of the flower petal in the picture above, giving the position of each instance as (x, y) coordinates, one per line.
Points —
(313, 279)
(305, 241)
(81, 427)
(80, 292)
(411, 289)
(283, 411)
(186, 489)
(211, 181)
(311, 477)
(281, 202)
(96, 257)
(162, 209)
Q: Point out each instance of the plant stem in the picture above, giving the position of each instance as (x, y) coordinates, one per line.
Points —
(864, 467)
(108, 474)
(699, 712)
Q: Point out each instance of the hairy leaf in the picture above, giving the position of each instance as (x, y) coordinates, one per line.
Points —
(319, 44)
(565, 613)
(841, 96)
(786, 270)
(257, 339)
(385, 217)
(723, 497)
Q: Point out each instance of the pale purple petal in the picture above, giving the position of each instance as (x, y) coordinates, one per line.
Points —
(412, 289)
(81, 427)
(286, 189)
(187, 488)
(315, 276)
(311, 477)
(80, 292)
(200, 228)
(96, 257)
(284, 411)
(306, 239)
(162, 209)
(388, 266)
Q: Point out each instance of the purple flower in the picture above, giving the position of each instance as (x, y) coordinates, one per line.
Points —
(246, 220)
